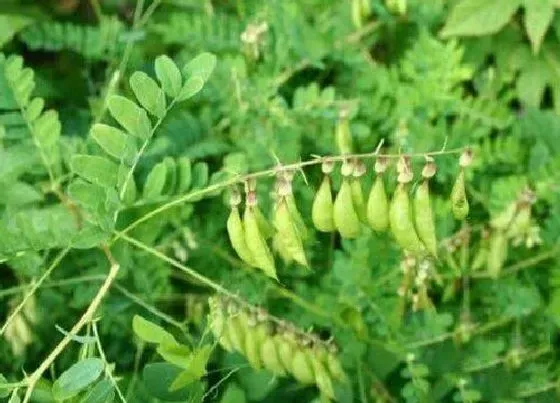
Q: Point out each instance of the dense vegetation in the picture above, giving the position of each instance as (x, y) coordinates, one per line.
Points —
(234, 201)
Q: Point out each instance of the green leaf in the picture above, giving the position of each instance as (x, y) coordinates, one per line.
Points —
(191, 88)
(19, 193)
(531, 83)
(4, 392)
(168, 75)
(150, 332)
(196, 368)
(148, 93)
(110, 139)
(185, 174)
(201, 66)
(175, 353)
(130, 116)
(102, 392)
(538, 17)
(98, 170)
(77, 378)
(479, 17)
(11, 25)
(155, 182)
(158, 376)
(234, 394)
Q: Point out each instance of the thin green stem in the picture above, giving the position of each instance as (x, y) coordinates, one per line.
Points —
(34, 288)
(104, 358)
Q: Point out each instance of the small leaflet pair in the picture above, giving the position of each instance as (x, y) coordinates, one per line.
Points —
(279, 350)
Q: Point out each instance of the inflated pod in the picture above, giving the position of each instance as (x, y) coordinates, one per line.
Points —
(254, 338)
(236, 234)
(270, 357)
(302, 368)
(237, 325)
(286, 347)
(481, 258)
(280, 246)
(322, 377)
(521, 223)
(400, 220)
(296, 216)
(288, 236)
(459, 202)
(378, 206)
(257, 244)
(218, 324)
(345, 218)
(343, 136)
(497, 252)
(322, 210)
(267, 230)
(334, 368)
(424, 218)
(358, 200)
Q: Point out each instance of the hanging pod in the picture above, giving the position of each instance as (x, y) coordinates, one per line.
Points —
(322, 210)
(236, 234)
(378, 206)
(322, 377)
(358, 200)
(302, 368)
(257, 244)
(270, 357)
(334, 368)
(296, 216)
(289, 238)
(266, 229)
(459, 202)
(236, 328)
(345, 218)
(286, 347)
(400, 219)
(497, 252)
(254, 338)
(218, 324)
(424, 218)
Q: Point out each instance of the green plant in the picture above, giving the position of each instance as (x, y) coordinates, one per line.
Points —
(261, 201)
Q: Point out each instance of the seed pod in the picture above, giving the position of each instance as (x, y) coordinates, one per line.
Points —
(401, 221)
(236, 234)
(358, 200)
(322, 377)
(266, 229)
(285, 346)
(302, 369)
(280, 246)
(521, 223)
(254, 338)
(505, 218)
(288, 234)
(343, 136)
(345, 218)
(236, 328)
(218, 326)
(322, 210)
(459, 202)
(296, 216)
(424, 218)
(481, 257)
(497, 253)
(334, 368)
(270, 357)
(378, 206)
(257, 245)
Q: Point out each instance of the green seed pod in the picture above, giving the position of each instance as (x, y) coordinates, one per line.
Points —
(267, 230)
(236, 328)
(322, 377)
(504, 219)
(254, 338)
(334, 368)
(285, 346)
(280, 246)
(217, 321)
(401, 221)
(378, 206)
(236, 234)
(358, 200)
(288, 235)
(296, 216)
(345, 218)
(521, 224)
(459, 202)
(257, 244)
(343, 136)
(302, 369)
(270, 357)
(497, 253)
(357, 13)
(424, 218)
(322, 210)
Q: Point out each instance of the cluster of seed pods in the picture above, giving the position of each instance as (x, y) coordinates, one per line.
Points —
(409, 219)
(275, 345)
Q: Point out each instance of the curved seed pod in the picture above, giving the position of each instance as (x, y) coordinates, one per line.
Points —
(322, 210)
(401, 222)
(218, 326)
(334, 368)
(424, 218)
(296, 216)
(279, 246)
(236, 329)
(270, 357)
(254, 339)
(378, 206)
(459, 202)
(288, 235)
(358, 200)
(267, 230)
(302, 369)
(345, 218)
(257, 244)
(236, 234)
(322, 377)
(285, 346)
(497, 253)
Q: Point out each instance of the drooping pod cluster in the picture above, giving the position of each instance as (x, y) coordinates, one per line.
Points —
(274, 345)
(459, 201)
